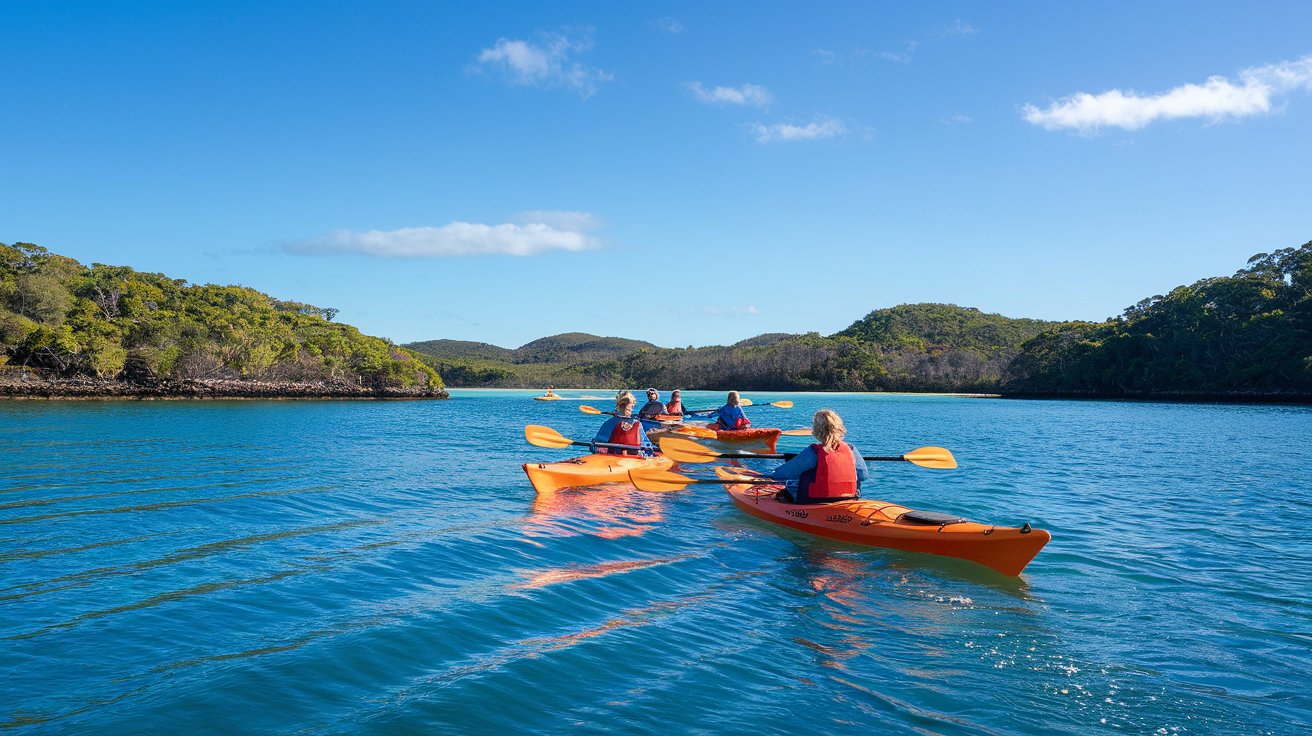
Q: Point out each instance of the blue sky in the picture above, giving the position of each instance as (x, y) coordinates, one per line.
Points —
(685, 173)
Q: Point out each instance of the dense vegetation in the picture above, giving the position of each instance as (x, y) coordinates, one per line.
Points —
(1250, 333)
(913, 347)
(67, 319)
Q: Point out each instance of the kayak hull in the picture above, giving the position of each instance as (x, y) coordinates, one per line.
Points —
(589, 470)
(547, 398)
(874, 523)
(767, 438)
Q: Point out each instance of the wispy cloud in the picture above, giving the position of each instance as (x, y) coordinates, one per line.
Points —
(956, 118)
(825, 56)
(960, 28)
(547, 62)
(529, 234)
(785, 132)
(748, 94)
(746, 311)
(1216, 99)
(904, 56)
(669, 25)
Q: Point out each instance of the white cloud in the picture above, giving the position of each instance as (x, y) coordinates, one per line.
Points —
(784, 132)
(825, 55)
(901, 57)
(956, 118)
(746, 311)
(531, 233)
(1216, 99)
(669, 25)
(960, 28)
(748, 94)
(547, 63)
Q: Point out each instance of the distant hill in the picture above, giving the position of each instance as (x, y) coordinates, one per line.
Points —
(929, 347)
(462, 349)
(577, 347)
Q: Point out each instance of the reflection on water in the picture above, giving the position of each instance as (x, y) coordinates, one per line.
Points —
(610, 511)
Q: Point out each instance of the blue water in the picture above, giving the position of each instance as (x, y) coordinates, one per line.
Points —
(385, 568)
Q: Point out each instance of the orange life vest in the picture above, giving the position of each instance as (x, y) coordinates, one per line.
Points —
(835, 473)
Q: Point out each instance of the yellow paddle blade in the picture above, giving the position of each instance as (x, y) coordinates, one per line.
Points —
(588, 409)
(704, 433)
(536, 434)
(795, 433)
(782, 404)
(738, 475)
(744, 402)
(658, 481)
(931, 457)
(686, 451)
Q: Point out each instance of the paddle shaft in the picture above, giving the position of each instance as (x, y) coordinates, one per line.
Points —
(608, 445)
(790, 455)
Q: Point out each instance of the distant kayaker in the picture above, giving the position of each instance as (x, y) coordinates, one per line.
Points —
(731, 416)
(653, 407)
(550, 392)
(830, 470)
(675, 406)
(624, 429)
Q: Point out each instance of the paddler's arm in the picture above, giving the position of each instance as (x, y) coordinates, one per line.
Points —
(862, 472)
(794, 468)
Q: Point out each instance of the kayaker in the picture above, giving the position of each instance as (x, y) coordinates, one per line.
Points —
(653, 407)
(830, 470)
(731, 416)
(624, 429)
(675, 406)
(550, 392)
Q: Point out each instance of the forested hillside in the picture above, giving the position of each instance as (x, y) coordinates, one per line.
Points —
(1250, 333)
(912, 347)
(69, 320)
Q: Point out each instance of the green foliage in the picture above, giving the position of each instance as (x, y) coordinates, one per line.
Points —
(1251, 332)
(108, 321)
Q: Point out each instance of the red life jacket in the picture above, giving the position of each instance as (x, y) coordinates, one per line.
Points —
(835, 473)
(674, 407)
(622, 436)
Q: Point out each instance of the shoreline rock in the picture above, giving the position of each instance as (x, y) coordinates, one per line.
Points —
(33, 386)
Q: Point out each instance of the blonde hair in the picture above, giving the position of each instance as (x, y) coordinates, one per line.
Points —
(733, 398)
(828, 428)
(622, 399)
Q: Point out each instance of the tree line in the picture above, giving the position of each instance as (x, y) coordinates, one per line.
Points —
(67, 319)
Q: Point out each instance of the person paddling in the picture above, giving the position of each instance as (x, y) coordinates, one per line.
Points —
(653, 407)
(731, 416)
(550, 392)
(675, 406)
(624, 429)
(830, 470)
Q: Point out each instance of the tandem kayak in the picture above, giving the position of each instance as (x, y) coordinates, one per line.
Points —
(547, 398)
(764, 437)
(590, 470)
(880, 524)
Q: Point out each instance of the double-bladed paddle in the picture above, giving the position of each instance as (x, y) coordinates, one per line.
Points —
(541, 436)
(687, 451)
(664, 481)
(657, 418)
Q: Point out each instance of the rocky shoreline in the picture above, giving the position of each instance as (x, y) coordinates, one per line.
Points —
(27, 385)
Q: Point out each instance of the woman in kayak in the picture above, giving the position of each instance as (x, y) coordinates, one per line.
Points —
(830, 470)
(653, 406)
(623, 429)
(675, 406)
(731, 416)
(549, 392)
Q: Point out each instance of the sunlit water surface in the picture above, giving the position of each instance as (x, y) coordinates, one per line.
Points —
(385, 568)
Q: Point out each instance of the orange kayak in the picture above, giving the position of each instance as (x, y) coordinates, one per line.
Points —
(590, 470)
(764, 437)
(547, 398)
(880, 524)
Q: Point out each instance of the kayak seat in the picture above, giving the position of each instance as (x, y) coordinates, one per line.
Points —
(928, 518)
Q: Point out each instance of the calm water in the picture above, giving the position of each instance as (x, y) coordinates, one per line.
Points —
(385, 568)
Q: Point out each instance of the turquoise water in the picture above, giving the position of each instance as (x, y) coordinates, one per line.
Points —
(385, 568)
